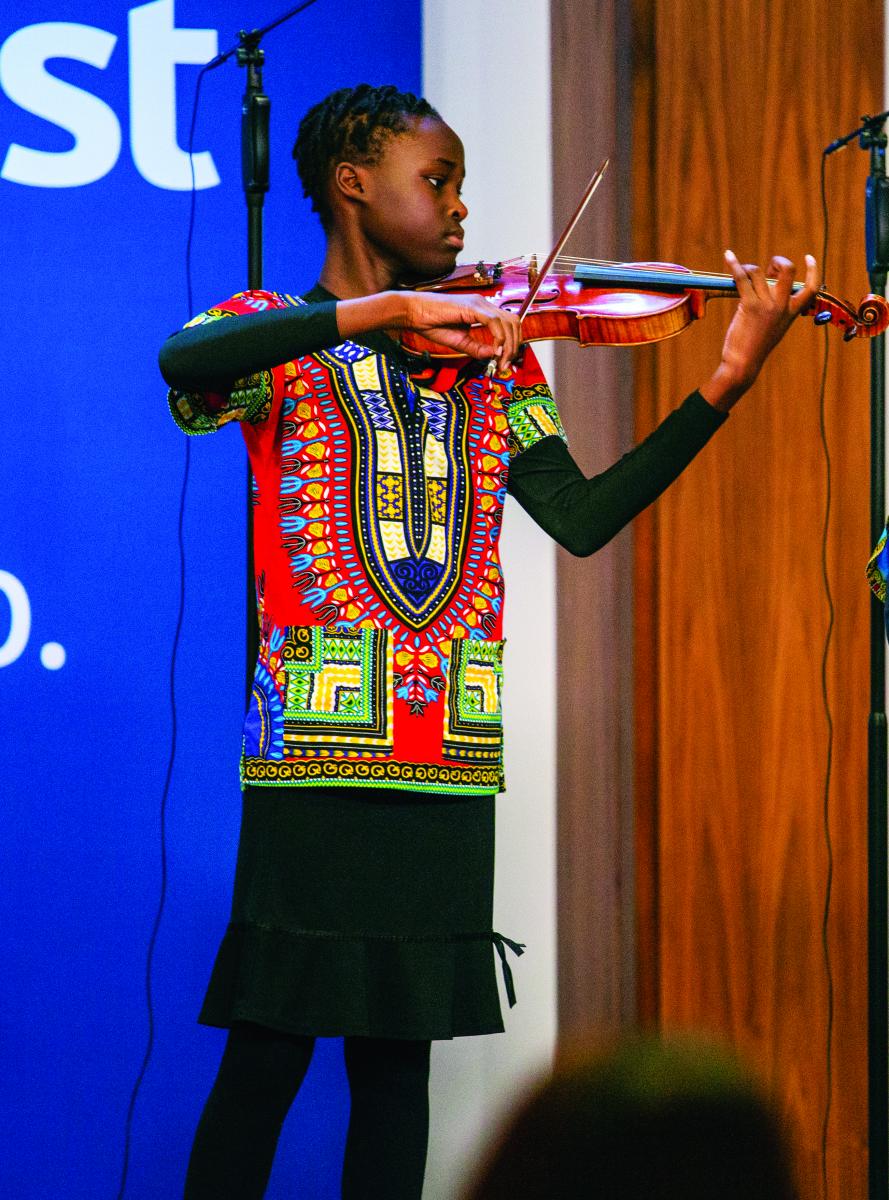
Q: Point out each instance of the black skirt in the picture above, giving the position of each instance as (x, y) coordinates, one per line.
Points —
(361, 913)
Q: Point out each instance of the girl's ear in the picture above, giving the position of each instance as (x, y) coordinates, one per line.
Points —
(349, 182)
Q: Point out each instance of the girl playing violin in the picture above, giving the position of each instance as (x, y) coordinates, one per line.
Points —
(372, 745)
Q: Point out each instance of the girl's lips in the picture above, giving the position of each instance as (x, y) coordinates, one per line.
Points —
(455, 240)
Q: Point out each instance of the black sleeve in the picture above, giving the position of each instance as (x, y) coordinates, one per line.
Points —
(583, 514)
(210, 357)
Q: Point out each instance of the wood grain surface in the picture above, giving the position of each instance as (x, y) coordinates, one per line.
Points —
(733, 103)
(596, 956)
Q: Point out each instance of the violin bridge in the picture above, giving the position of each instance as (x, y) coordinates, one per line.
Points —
(533, 270)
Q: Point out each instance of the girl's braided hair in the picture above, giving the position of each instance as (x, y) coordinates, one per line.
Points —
(350, 124)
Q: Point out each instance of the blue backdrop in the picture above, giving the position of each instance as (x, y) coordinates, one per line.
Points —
(95, 104)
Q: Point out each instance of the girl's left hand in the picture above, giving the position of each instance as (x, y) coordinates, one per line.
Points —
(763, 316)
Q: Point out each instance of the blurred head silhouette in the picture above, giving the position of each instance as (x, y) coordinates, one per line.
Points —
(677, 1120)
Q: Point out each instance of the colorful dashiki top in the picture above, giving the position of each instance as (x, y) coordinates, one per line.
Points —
(878, 567)
(378, 503)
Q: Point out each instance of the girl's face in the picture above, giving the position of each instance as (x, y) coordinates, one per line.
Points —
(412, 214)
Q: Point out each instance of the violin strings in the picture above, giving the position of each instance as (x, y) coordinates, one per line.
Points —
(569, 261)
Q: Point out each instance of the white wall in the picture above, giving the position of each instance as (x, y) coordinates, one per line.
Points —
(506, 131)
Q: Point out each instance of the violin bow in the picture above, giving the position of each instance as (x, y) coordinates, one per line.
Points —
(566, 233)
(556, 250)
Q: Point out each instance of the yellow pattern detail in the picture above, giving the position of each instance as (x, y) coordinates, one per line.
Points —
(329, 681)
(437, 548)
(388, 455)
(394, 544)
(543, 420)
(366, 374)
(435, 462)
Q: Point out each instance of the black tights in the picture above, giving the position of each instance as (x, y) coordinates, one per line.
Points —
(259, 1076)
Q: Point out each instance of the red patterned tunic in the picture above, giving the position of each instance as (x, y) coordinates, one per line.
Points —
(378, 502)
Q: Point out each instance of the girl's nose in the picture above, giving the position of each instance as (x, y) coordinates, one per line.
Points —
(459, 210)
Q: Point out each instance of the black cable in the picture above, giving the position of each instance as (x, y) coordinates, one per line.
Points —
(162, 899)
(825, 945)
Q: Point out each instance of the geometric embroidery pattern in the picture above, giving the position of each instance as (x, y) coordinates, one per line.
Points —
(390, 497)
(249, 400)
(532, 415)
(437, 491)
(381, 773)
(410, 479)
(473, 717)
(338, 692)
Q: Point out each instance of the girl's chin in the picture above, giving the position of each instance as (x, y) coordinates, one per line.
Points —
(431, 268)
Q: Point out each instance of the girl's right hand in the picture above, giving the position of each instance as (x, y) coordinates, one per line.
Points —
(448, 320)
(442, 318)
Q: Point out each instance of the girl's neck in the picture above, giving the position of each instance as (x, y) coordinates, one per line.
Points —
(352, 268)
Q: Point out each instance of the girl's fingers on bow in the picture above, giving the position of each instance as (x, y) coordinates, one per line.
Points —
(515, 337)
(510, 331)
(503, 329)
(460, 340)
(500, 335)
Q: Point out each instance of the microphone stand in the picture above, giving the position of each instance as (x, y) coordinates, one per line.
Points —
(871, 136)
(255, 113)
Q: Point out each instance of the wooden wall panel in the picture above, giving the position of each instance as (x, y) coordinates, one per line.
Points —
(596, 961)
(733, 103)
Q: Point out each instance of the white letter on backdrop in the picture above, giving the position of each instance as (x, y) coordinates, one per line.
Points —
(93, 125)
(19, 618)
(156, 46)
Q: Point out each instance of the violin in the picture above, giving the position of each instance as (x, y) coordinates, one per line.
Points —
(616, 304)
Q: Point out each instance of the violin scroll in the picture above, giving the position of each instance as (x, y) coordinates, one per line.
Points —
(869, 319)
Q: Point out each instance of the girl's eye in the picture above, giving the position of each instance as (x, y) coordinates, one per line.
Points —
(435, 181)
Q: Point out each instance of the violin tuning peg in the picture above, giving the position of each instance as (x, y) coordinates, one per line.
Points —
(821, 318)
